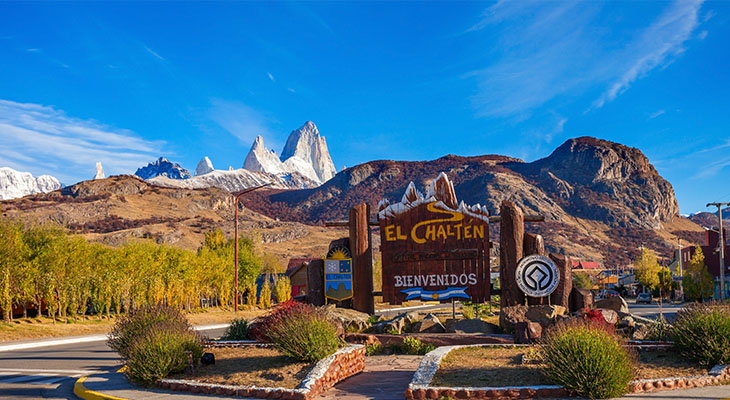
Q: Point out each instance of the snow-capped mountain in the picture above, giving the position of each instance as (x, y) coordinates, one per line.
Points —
(235, 180)
(163, 167)
(305, 153)
(14, 184)
(204, 166)
(99, 171)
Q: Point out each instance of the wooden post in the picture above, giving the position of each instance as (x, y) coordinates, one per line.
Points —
(315, 282)
(512, 230)
(534, 244)
(362, 259)
(561, 295)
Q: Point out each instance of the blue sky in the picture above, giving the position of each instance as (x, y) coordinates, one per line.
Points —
(125, 83)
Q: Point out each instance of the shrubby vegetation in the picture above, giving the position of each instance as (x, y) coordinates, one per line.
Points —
(701, 332)
(282, 289)
(154, 342)
(237, 330)
(583, 356)
(301, 331)
(42, 264)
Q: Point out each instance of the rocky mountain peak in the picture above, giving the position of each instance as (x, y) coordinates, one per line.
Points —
(204, 166)
(14, 184)
(163, 167)
(261, 159)
(306, 144)
(99, 174)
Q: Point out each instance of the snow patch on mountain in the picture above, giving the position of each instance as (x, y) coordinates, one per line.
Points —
(204, 166)
(163, 167)
(305, 153)
(15, 184)
(235, 180)
(99, 171)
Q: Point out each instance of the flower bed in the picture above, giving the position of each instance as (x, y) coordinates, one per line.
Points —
(344, 363)
(518, 380)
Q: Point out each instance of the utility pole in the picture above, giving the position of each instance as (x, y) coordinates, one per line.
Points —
(680, 264)
(235, 240)
(722, 247)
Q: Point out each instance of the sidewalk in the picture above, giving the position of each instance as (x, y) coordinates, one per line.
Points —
(57, 341)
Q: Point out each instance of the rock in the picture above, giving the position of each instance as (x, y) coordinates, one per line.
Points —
(527, 332)
(473, 325)
(396, 325)
(512, 230)
(430, 324)
(640, 332)
(626, 322)
(615, 303)
(351, 320)
(561, 295)
(361, 338)
(545, 315)
(509, 316)
(580, 299)
(609, 315)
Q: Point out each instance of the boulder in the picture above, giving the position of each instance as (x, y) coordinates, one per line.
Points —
(473, 325)
(527, 332)
(626, 322)
(609, 315)
(615, 303)
(396, 325)
(542, 314)
(351, 320)
(640, 332)
(429, 324)
(362, 338)
(580, 299)
(509, 316)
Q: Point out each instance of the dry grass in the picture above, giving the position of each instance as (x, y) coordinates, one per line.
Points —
(496, 367)
(43, 327)
(485, 366)
(251, 366)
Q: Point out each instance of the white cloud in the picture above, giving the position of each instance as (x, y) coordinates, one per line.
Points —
(656, 46)
(241, 121)
(564, 49)
(154, 53)
(271, 77)
(656, 114)
(44, 140)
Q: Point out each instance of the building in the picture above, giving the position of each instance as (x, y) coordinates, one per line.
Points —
(296, 270)
(586, 265)
(712, 259)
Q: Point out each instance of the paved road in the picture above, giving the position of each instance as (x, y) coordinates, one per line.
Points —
(50, 372)
(652, 310)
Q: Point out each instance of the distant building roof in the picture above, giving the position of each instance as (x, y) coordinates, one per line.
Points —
(586, 265)
(296, 263)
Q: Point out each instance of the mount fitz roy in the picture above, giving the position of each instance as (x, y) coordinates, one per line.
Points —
(305, 153)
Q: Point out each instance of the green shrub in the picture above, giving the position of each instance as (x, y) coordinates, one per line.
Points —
(585, 357)
(372, 349)
(304, 332)
(659, 330)
(237, 330)
(163, 351)
(412, 345)
(135, 324)
(701, 332)
(282, 289)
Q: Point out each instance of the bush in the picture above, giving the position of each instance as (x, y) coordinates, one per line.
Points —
(596, 316)
(261, 326)
(659, 330)
(701, 332)
(237, 330)
(265, 296)
(304, 332)
(282, 289)
(136, 323)
(161, 352)
(583, 356)
(412, 345)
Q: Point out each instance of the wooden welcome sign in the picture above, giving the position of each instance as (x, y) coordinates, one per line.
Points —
(433, 248)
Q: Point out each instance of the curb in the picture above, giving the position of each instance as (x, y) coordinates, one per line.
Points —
(86, 394)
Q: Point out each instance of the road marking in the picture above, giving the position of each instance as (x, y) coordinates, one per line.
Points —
(51, 380)
(82, 339)
(23, 378)
(66, 372)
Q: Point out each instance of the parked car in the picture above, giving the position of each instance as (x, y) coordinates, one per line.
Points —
(643, 298)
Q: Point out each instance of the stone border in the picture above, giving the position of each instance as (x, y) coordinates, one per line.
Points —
(344, 363)
(420, 388)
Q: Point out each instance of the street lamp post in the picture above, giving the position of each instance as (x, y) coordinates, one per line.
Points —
(235, 240)
(722, 247)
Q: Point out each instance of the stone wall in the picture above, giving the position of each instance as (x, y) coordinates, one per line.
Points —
(344, 363)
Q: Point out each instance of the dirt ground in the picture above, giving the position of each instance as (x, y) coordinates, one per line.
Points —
(495, 367)
(251, 366)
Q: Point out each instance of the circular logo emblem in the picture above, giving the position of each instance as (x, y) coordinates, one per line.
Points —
(537, 276)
